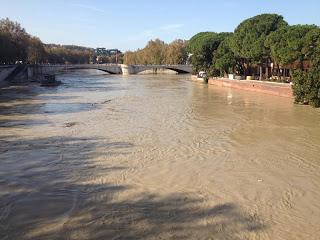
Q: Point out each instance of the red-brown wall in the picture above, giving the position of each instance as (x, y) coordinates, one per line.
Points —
(278, 89)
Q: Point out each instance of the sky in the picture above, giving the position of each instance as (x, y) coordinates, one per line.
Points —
(130, 24)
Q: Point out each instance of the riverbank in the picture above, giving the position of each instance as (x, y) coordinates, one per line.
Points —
(196, 78)
(271, 88)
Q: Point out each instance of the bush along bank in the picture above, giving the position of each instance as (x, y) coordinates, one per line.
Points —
(306, 87)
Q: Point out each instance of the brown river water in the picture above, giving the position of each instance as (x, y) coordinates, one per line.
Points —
(156, 157)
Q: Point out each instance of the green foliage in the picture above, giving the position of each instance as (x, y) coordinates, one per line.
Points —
(304, 43)
(288, 44)
(306, 86)
(202, 47)
(206, 79)
(248, 41)
(200, 41)
(224, 59)
(312, 46)
(214, 72)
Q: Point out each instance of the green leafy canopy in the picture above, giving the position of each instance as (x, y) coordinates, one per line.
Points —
(248, 41)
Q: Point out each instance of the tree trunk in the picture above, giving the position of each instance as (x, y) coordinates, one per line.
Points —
(267, 70)
(290, 74)
(301, 65)
(260, 67)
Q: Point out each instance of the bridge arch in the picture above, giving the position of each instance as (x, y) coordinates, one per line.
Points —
(136, 69)
(178, 70)
(95, 68)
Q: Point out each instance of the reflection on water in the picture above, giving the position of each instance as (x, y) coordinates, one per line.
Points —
(156, 157)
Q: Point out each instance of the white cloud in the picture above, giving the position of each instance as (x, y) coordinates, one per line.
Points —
(88, 7)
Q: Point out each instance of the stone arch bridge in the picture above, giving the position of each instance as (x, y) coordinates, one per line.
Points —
(34, 70)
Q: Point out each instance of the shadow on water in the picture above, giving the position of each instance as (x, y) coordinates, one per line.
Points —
(10, 123)
(152, 216)
(24, 100)
(50, 189)
(46, 108)
(46, 193)
(43, 180)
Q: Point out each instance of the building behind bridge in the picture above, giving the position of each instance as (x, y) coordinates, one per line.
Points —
(108, 55)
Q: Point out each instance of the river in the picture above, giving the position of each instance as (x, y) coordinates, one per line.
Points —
(156, 157)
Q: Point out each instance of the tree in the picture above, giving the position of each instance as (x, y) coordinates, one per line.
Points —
(7, 49)
(306, 86)
(155, 52)
(15, 40)
(35, 51)
(312, 46)
(176, 52)
(224, 59)
(158, 52)
(248, 41)
(202, 47)
(289, 44)
(62, 54)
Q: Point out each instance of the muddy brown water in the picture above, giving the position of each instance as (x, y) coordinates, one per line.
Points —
(156, 157)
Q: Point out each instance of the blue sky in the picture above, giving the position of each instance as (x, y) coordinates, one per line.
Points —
(129, 24)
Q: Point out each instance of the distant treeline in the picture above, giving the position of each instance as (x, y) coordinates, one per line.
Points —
(16, 45)
(159, 52)
(60, 54)
(265, 46)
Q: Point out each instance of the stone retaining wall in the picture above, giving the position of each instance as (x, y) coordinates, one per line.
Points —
(278, 89)
(195, 78)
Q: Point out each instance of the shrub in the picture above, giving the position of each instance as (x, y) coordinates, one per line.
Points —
(213, 72)
(306, 87)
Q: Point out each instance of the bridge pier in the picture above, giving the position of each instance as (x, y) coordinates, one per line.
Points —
(36, 72)
(5, 72)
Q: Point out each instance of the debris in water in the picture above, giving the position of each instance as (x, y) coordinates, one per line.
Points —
(70, 124)
(104, 102)
(49, 80)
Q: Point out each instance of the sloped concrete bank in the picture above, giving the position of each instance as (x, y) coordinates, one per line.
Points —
(5, 71)
(272, 88)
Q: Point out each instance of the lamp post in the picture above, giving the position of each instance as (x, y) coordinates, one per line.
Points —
(116, 56)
